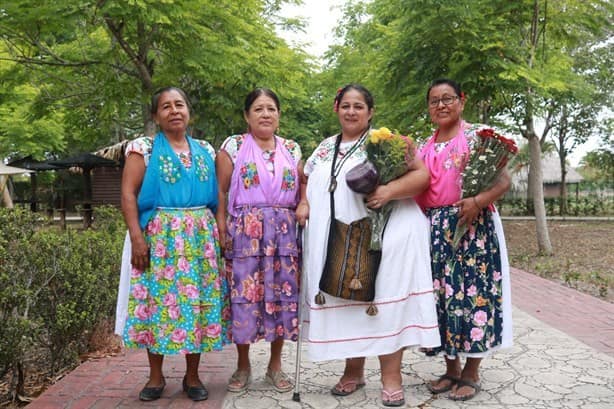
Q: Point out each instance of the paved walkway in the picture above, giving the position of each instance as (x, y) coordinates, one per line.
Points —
(563, 357)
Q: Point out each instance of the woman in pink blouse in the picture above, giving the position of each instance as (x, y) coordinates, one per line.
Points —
(472, 282)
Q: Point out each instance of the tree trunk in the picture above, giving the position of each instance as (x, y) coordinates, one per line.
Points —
(529, 198)
(535, 151)
(148, 122)
(4, 189)
(563, 189)
(543, 238)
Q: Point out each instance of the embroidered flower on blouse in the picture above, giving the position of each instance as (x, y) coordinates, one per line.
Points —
(288, 180)
(202, 170)
(249, 175)
(170, 172)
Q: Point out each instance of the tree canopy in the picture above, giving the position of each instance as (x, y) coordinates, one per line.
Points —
(78, 75)
(519, 63)
(81, 73)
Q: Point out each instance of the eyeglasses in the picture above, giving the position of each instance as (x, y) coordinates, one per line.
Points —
(447, 100)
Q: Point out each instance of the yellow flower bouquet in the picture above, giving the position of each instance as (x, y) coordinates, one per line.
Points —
(389, 155)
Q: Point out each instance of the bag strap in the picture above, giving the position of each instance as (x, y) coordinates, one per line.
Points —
(333, 169)
(333, 181)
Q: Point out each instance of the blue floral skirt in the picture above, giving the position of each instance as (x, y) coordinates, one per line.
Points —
(180, 303)
(467, 283)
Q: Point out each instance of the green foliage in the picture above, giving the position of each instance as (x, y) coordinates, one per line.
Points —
(79, 267)
(512, 58)
(598, 166)
(55, 285)
(596, 203)
(95, 64)
(18, 289)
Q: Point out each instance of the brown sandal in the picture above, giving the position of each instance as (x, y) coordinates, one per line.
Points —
(239, 380)
(280, 381)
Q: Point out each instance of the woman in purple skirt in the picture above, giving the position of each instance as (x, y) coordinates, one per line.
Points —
(259, 191)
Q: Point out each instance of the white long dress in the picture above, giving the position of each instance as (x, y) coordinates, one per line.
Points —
(123, 290)
(404, 289)
(506, 286)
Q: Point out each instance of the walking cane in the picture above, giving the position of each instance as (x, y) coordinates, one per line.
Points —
(296, 396)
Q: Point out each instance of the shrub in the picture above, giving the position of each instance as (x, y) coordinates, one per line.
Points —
(18, 287)
(56, 285)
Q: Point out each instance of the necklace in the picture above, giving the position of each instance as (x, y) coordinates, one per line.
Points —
(336, 167)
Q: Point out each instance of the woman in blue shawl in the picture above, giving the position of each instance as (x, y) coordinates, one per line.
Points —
(177, 297)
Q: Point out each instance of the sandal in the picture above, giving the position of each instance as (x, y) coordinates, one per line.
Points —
(396, 398)
(280, 381)
(239, 380)
(446, 387)
(428, 351)
(466, 382)
(348, 387)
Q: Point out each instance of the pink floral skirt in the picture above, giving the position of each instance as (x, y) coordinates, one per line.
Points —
(180, 303)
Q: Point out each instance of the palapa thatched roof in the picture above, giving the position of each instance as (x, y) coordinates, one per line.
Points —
(551, 169)
(114, 152)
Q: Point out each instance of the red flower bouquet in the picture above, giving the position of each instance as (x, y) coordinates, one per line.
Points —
(487, 160)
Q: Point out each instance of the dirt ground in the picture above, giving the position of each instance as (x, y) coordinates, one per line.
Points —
(583, 257)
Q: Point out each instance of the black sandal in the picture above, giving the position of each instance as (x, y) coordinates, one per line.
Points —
(444, 377)
(466, 382)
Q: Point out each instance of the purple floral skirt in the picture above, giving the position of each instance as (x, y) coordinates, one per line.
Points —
(262, 266)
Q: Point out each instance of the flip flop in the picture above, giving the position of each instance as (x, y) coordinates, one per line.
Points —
(442, 389)
(396, 398)
(466, 382)
(348, 387)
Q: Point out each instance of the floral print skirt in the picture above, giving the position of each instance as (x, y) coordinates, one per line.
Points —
(180, 303)
(262, 265)
(467, 283)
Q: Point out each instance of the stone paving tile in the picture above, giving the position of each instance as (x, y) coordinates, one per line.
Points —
(563, 357)
(545, 368)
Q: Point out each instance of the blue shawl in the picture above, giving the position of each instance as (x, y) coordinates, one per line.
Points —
(167, 183)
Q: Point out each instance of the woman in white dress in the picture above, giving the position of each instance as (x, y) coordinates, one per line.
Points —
(340, 329)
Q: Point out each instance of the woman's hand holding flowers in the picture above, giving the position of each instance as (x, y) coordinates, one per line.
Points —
(379, 197)
(469, 210)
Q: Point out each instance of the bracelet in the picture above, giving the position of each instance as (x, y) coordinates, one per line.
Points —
(476, 203)
(303, 203)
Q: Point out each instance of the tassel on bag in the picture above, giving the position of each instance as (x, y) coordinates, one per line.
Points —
(320, 300)
(355, 284)
(372, 310)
